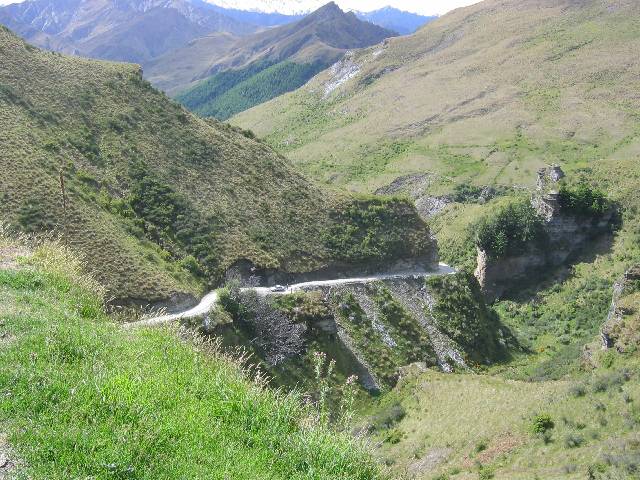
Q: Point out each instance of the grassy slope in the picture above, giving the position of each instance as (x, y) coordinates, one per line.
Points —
(476, 424)
(97, 123)
(83, 398)
(485, 94)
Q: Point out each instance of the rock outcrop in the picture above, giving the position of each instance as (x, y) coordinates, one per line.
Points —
(620, 331)
(416, 186)
(566, 235)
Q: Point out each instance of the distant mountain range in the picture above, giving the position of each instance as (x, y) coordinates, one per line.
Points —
(249, 70)
(391, 18)
(140, 30)
(125, 30)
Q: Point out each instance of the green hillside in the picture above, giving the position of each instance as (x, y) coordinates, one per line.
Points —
(157, 200)
(485, 94)
(84, 398)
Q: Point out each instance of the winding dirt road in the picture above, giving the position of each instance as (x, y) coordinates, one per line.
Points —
(210, 299)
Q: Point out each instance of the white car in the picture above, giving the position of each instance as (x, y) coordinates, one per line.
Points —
(279, 288)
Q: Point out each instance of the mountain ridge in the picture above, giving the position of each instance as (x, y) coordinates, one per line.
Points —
(284, 56)
(105, 28)
(403, 22)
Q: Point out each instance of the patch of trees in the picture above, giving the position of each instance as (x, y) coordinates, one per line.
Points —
(461, 312)
(583, 200)
(233, 91)
(510, 230)
(465, 193)
(168, 219)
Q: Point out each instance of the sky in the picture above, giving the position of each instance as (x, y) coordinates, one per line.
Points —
(425, 7)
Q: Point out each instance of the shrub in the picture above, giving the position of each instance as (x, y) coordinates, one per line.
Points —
(366, 230)
(578, 390)
(573, 440)
(170, 220)
(190, 264)
(464, 193)
(303, 306)
(594, 470)
(230, 299)
(388, 417)
(462, 313)
(614, 379)
(35, 217)
(217, 316)
(583, 200)
(485, 473)
(394, 436)
(542, 423)
(481, 446)
(510, 230)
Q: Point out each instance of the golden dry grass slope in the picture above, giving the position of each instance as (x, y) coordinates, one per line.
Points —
(485, 94)
(158, 200)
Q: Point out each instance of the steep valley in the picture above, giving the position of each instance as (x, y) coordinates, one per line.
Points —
(460, 117)
(502, 138)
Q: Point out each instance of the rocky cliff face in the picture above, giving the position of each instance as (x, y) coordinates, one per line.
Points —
(621, 329)
(566, 235)
(370, 329)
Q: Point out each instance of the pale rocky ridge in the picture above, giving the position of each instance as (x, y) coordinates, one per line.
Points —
(618, 330)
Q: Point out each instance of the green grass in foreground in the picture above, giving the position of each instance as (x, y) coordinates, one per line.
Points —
(82, 398)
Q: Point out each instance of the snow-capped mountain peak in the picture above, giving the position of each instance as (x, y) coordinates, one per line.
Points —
(291, 7)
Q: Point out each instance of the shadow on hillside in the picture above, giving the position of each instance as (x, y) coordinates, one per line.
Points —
(527, 291)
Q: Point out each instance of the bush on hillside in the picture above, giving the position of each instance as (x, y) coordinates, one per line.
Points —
(465, 193)
(573, 440)
(303, 306)
(583, 200)
(388, 417)
(609, 380)
(510, 230)
(541, 424)
(34, 217)
(169, 220)
(375, 229)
